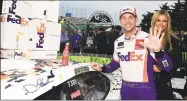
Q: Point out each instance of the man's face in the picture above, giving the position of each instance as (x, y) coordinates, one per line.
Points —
(117, 30)
(90, 31)
(62, 31)
(128, 22)
(75, 31)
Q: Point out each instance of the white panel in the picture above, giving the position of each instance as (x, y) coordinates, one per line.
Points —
(21, 38)
(21, 8)
(8, 37)
(52, 8)
(28, 54)
(53, 11)
(6, 5)
(44, 55)
(52, 42)
(38, 8)
(53, 28)
(13, 34)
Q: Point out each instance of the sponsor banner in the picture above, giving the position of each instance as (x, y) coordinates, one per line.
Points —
(44, 55)
(53, 28)
(7, 53)
(15, 32)
(38, 34)
(29, 54)
(23, 54)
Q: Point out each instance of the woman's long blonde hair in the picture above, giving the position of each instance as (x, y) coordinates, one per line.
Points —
(168, 31)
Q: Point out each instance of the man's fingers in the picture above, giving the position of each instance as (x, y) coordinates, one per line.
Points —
(95, 66)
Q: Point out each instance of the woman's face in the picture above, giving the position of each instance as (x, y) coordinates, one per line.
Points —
(161, 22)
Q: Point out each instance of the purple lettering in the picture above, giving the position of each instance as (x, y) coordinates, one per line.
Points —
(18, 21)
(127, 57)
(41, 35)
(38, 45)
(13, 7)
(11, 10)
(13, 20)
(122, 57)
(18, 54)
(131, 56)
(9, 18)
(41, 41)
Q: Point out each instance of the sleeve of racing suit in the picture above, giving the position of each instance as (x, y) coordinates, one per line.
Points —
(113, 65)
(164, 61)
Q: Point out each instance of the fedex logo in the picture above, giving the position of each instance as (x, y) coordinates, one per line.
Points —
(14, 19)
(40, 32)
(12, 8)
(20, 54)
(127, 9)
(131, 56)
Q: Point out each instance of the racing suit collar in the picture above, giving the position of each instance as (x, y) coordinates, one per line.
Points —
(133, 36)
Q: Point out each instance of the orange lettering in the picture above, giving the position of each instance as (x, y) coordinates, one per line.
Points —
(132, 56)
(22, 20)
(26, 22)
(3, 18)
(41, 29)
(139, 57)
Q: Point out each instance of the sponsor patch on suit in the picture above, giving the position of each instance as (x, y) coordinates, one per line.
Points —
(138, 46)
(165, 63)
(120, 45)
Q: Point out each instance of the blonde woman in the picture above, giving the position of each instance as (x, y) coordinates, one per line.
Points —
(171, 44)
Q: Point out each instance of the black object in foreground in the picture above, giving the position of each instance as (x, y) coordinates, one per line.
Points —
(85, 86)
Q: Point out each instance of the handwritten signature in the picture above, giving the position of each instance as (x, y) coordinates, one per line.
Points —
(31, 88)
(41, 82)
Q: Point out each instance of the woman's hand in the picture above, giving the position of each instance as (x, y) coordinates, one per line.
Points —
(156, 68)
(154, 42)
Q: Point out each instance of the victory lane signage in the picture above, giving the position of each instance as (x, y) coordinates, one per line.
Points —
(100, 18)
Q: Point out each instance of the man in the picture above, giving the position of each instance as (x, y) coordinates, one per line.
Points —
(185, 87)
(63, 39)
(184, 42)
(112, 37)
(75, 42)
(101, 41)
(88, 42)
(135, 53)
